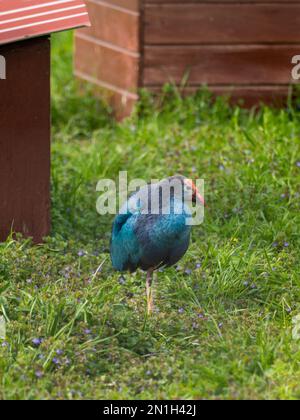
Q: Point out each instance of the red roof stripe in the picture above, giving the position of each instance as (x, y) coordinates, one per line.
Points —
(8, 7)
(35, 12)
(43, 22)
(39, 17)
(11, 23)
(56, 27)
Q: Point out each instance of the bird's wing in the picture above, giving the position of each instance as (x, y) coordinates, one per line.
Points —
(124, 247)
(163, 239)
(177, 252)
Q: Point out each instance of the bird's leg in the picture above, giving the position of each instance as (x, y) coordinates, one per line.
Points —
(149, 281)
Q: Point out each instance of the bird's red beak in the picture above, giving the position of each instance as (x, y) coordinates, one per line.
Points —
(196, 195)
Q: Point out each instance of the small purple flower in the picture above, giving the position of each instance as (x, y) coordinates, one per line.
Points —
(4, 344)
(178, 268)
(221, 167)
(188, 272)
(298, 164)
(198, 265)
(220, 325)
(275, 244)
(81, 253)
(39, 374)
(122, 280)
(181, 310)
(266, 274)
(201, 316)
(148, 373)
(59, 352)
(246, 283)
(87, 331)
(286, 244)
(37, 342)
(56, 361)
(253, 286)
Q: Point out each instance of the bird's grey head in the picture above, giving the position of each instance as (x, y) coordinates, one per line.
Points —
(158, 197)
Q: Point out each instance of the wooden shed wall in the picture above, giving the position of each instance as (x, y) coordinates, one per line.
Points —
(247, 45)
(240, 47)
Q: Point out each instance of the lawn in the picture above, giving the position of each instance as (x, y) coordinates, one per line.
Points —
(224, 316)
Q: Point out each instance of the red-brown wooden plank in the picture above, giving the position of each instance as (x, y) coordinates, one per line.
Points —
(113, 25)
(245, 65)
(126, 4)
(160, 2)
(105, 64)
(247, 96)
(222, 23)
(25, 139)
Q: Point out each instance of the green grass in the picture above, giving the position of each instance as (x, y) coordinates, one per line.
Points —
(222, 331)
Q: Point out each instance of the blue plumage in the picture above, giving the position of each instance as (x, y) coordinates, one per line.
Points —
(148, 241)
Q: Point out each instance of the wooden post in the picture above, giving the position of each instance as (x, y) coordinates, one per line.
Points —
(25, 139)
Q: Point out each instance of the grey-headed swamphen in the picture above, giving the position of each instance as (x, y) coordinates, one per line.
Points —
(148, 239)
